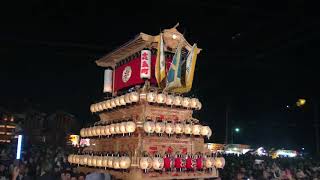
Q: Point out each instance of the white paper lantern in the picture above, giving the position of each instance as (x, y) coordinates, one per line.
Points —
(85, 159)
(208, 163)
(204, 130)
(117, 128)
(219, 162)
(157, 163)
(107, 130)
(127, 98)
(92, 108)
(89, 132)
(122, 100)
(94, 161)
(85, 132)
(178, 128)
(169, 128)
(94, 131)
(161, 98)
(100, 108)
(110, 162)
(117, 101)
(112, 128)
(116, 163)
(96, 107)
(89, 161)
(130, 127)
(186, 102)
(108, 104)
(177, 101)
(125, 162)
(169, 100)
(99, 161)
(113, 103)
(77, 159)
(187, 129)
(123, 127)
(98, 132)
(196, 129)
(149, 126)
(199, 105)
(160, 127)
(105, 161)
(151, 97)
(209, 133)
(134, 97)
(193, 102)
(104, 105)
(82, 132)
(145, 163)
(81, 160)
(102, 131)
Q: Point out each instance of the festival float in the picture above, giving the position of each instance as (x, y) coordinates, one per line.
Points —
(146, 128)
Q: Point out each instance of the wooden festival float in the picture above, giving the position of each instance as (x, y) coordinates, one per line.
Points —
(146, 129)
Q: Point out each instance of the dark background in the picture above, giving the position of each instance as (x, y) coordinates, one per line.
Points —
(257, 58)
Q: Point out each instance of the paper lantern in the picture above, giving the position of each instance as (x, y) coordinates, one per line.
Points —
(151, 97)
(102, 130)
(85, 159)
(157, 163)
(178, 128)
(117, 101)
(99, 161)
(112, 129)
(94, 161)
(177, 101)
(105, 161)
(110, 162)
(199, 105)
(122, 100)
(89, 161)
(116, 163)
(130, 127)
(77, 159)
(134, 97)
(94, 131)
(219, 162)
(149, 126)
(92, 108)
(145, 163)
(160, 127)
(82, 132)
(96, 107)
(117, 128)
(104, 105)
(100, 108)
(196, 129)
(123, 127)
(169, 128)
(125, 162)
(108, 104)
(161, 98)
(127, 98)
(209, 133)
(187, 129)
(113, 103)
(70, 158)
(193, 102)
(89, 132)
(169, 100)
(208, 162)
(205, 130)
(85, 132)
(98, 132)
(186, 102)
(107, 130)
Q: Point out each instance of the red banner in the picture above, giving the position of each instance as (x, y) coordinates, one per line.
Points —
(128, 75)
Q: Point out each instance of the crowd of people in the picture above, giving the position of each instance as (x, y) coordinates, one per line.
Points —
(48, 163)
(265, 168)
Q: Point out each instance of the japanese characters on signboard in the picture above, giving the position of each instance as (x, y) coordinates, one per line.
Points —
(145, 66)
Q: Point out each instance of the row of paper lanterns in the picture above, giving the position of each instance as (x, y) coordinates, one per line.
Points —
(152, 97)
(157, 163)
(116, 128)
(177, 128)
(128, 98)
(114, 162)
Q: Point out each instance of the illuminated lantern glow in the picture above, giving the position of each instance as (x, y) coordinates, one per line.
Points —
(117, 128)
(82, 132)
(199, 105)
(100, 108)
(160, 127)
(209, 133)
(149, 126)
(107, 130)
(219, 162)
(130, 127)
(94, 161)
(157, 163)
(90, 132)
(125, 162)
(178, 128)
(89, 162)
(123, 127)
(145, 163)
(99, 161)
(177, 101)
(186, 102)
(169, 100)
(77, 159)
(117, 101)
(169, 128)
(208, 162)
(113, 103)
(85, 160)
(122, 100)
(112, 129)
(187, 129)
(102, 131)
(94, 131)
(196, 129)
(85, 132)
(151, 97)
(193, 103)
(108, 104)
(110, 162)
(116, 163)
(134, 97)
(96, 107)
(105, 161)
(92, 108)
(205, 130)
(161, 98)
(127, 98)
(104, 105)
(98, 132)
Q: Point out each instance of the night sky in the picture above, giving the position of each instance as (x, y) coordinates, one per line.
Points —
(256, 58)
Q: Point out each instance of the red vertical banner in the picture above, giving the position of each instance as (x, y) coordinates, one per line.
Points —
(145, 64)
